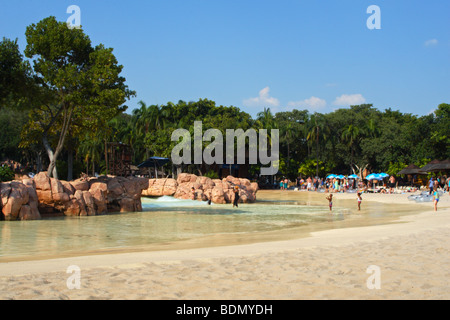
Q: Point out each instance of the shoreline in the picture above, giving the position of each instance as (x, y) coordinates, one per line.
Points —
(301, 265)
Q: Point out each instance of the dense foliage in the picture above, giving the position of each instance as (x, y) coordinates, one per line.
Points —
(77, 107)
(6, 174)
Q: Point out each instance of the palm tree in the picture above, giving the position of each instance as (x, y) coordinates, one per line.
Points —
(145, 120)
(91, 148)
(267, 119)
(318, 130)
(351, 134)
(288, 134)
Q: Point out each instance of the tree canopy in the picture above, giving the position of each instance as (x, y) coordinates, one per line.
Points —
(68, 101)
(80, 85)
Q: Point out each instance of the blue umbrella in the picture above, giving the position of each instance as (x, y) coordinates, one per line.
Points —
(383, 175)
(353, 176)
(331, 176)
(372, 176)
(340, 177)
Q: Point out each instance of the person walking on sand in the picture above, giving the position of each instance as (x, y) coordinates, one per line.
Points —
(236, 197)
(359, 201)
(435, 199)
(431, 185)
(330, 201)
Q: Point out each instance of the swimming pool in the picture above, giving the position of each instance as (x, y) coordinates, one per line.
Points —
(169, 223)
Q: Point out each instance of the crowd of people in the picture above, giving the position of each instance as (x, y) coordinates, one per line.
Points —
(343, 185)
(359, 186)
(323, 184)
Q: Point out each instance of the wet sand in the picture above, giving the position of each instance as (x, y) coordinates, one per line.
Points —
(412, 256)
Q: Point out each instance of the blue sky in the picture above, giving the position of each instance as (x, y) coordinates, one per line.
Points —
(315, 55)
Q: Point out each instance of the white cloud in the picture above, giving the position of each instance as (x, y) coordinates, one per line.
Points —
(263, 100)
(349, 100)
(431, 42)
(311, 103)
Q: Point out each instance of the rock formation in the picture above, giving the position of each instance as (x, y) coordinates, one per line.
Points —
(19, 200)
(31, 198)
(217, 190)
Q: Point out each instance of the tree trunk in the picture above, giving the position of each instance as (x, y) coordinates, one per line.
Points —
(38, 161)
(106, 156)
(70, 164)
(53, 156)
(51, 171)
(317, 153)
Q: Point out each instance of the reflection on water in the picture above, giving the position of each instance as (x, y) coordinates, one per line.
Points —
(168, 223)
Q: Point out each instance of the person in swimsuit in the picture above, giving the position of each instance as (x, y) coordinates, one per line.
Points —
(359, 201)
(436, 199)
(330, 201)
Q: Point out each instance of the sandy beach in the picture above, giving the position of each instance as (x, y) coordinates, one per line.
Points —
(411, 255)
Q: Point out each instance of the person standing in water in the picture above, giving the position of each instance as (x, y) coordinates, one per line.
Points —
(236, 197)
(359, 201)
(330, 201)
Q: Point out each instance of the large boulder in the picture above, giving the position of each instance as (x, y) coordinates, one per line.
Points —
(219, 191)
(90, 197)
(160, 187)
(18, 201)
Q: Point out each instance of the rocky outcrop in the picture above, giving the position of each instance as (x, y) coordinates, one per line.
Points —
(30, 198)
(218, 190)
(89, 197)
(19, 200)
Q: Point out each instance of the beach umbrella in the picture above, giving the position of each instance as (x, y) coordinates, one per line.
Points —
(340, 177)
(372, 176)
(353, 176)
(383, 175)
(331, 176)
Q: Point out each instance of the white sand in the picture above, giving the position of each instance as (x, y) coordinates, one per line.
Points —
(413, 258)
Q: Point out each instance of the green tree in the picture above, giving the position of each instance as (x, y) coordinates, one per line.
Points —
(16, 80)
(318, 132)
(82, 82)
(352, 135)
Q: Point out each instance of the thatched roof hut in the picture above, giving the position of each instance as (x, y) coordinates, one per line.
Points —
(440, 166)
(412, 169)
(429, 165)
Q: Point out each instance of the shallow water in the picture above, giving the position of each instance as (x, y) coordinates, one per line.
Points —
(168, 223)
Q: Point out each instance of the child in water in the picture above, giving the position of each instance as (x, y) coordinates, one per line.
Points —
(359, 201)
(330, 201)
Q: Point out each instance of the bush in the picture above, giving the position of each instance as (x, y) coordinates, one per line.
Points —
(6, 174)
(212, 174)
